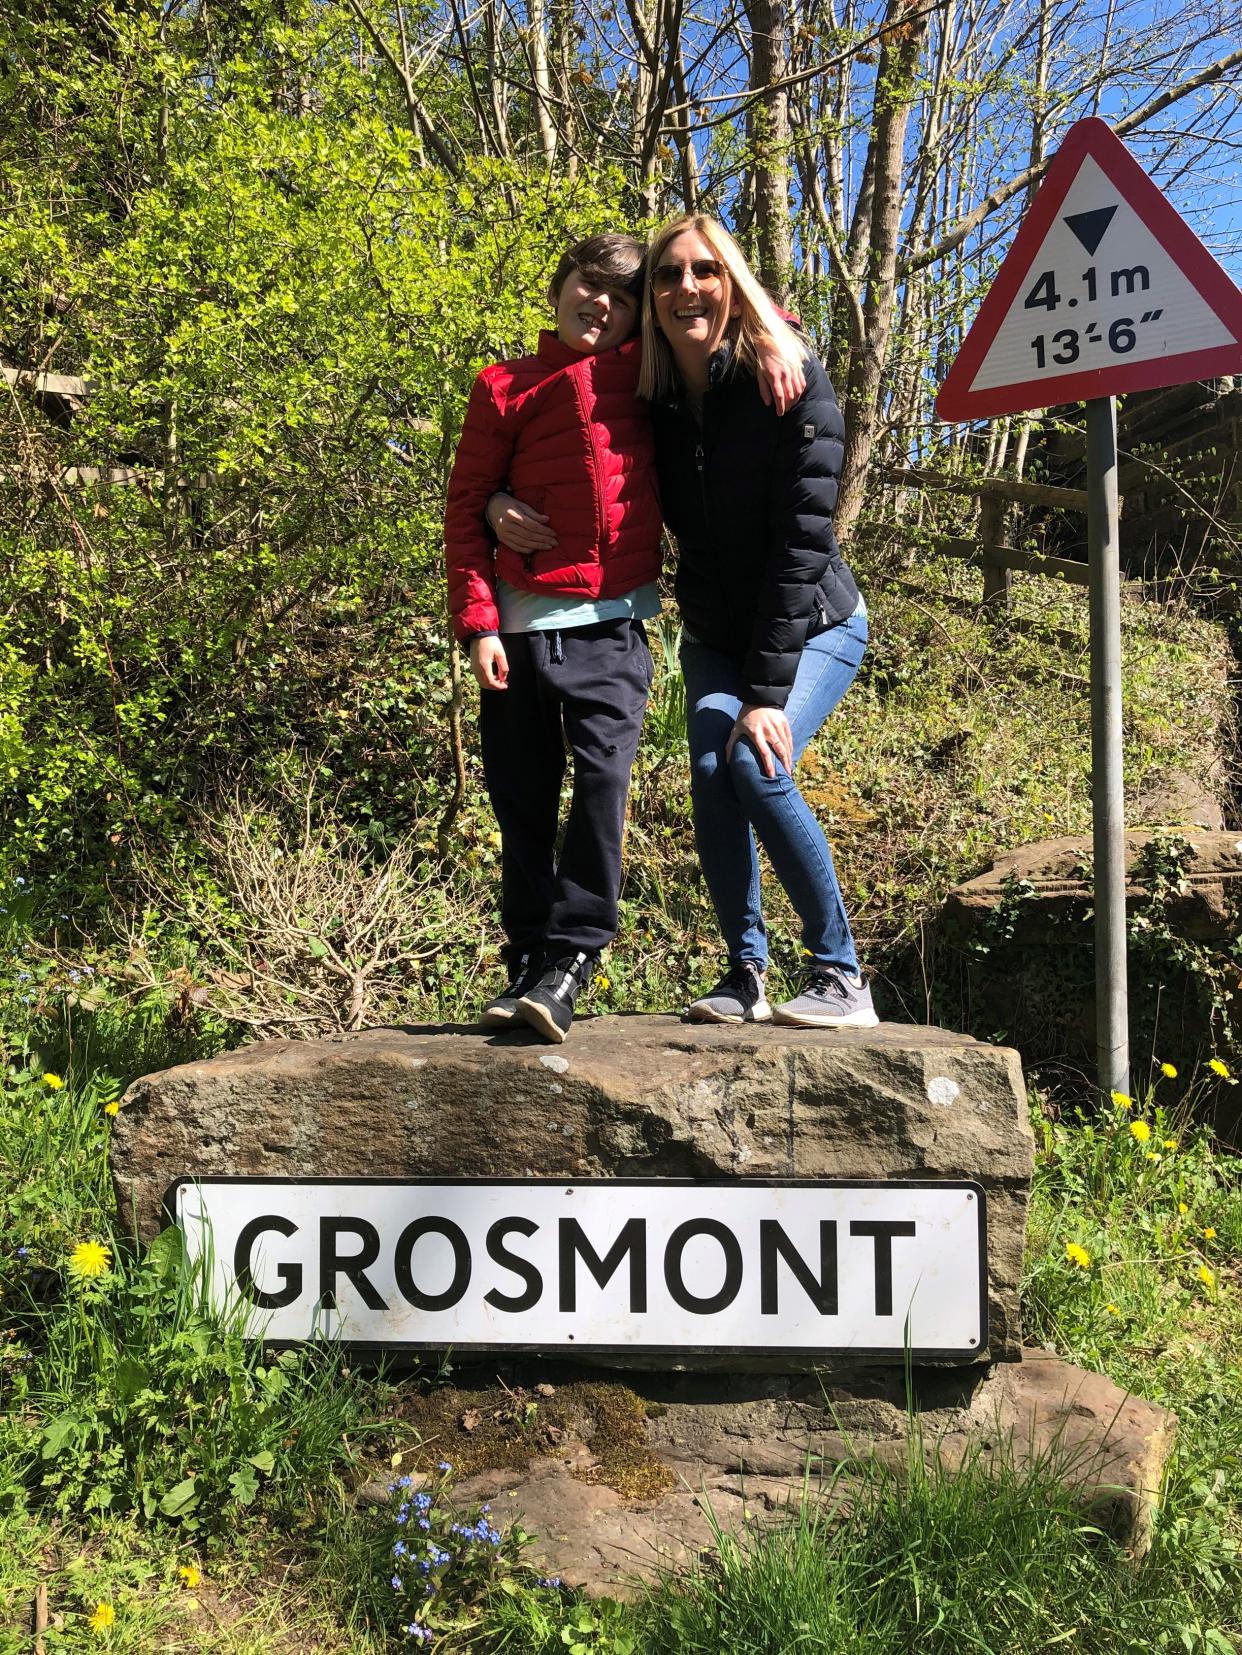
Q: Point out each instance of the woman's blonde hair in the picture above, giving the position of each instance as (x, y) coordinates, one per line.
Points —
(757, 319)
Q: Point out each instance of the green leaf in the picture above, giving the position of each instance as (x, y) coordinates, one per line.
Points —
(245, 1485)
(180, 1499)
(166, 1254)
(60, 1433)
(263, 1461)
(130, 1377)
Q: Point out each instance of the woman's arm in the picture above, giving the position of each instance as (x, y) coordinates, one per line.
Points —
(517, 526)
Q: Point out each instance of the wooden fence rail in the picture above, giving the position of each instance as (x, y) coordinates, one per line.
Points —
(988, 549)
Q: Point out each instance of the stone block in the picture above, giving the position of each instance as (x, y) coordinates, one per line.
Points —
(742, 1451)
(625, 1097)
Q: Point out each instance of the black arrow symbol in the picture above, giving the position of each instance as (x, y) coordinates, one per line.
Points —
(1090, 227)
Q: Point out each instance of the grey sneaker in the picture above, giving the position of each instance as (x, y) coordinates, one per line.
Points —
(829, 1000)
(502, 1011)
(737, 998)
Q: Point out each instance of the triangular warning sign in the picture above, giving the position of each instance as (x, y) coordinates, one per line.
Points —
(1106, 289)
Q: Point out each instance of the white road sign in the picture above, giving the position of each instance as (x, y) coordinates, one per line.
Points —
(608, 1265)
(1106, 289)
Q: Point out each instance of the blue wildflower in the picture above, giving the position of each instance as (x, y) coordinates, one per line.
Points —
(400, 1549)
(23, 1252)
(423, 1524)
(445, 1465)
(396, 1583)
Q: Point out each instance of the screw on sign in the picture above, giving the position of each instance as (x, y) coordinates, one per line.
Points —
(1106, 289)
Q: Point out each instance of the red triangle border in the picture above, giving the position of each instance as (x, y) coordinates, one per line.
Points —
(1095, 138)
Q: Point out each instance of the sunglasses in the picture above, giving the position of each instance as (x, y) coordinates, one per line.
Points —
(670, 275)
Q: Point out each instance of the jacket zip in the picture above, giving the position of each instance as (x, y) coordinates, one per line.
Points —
(700, 465)
(603, 528)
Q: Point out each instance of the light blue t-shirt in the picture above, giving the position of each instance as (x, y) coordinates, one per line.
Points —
(550, 612)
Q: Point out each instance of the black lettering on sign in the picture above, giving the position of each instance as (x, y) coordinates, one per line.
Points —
(496, 1250)
(774, 1244)
(290, 1274)
(675, 1282)
(352, 1266)
(574, 1244)
(406, 1241)
(883, 1233)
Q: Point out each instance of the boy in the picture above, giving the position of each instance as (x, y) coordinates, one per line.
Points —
(556, 635)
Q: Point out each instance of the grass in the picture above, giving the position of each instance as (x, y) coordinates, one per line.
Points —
(945, 1560)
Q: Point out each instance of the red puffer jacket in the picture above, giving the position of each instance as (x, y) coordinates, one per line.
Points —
(568, 435)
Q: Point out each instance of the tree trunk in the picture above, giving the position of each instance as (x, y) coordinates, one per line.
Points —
(894, 82)
(768, 129)
(543, 81)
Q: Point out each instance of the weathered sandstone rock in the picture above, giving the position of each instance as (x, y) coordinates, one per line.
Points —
(1055, 874)
(633, 1097)
(1017, 960)
(742, 1450)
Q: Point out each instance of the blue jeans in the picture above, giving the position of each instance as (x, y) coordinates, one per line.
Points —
(735, 801)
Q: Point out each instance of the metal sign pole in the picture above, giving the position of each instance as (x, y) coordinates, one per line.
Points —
(1107, 798)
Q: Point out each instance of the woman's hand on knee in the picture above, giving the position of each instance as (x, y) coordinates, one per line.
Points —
(521, 528)
(489, 663)
(767, 730)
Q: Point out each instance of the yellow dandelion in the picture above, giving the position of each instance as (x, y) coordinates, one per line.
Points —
(1214, 1064)
(1168, 1071)
(111, 1108)
(190, 1576)
(601, 981)
(1121, 1101)
(1170, 1143)
(1140, 1131)
(1112, 1310)
(1182, 1208)
(1206, 1276)
(1078, 1255)
(1210, 1232)
(54, 1081)
(1152, 1156)
(88, 1260)
(102, 1617)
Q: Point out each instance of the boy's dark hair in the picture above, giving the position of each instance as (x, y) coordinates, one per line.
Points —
(604, 261)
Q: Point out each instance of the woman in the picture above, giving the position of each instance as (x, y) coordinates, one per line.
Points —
(774, 627)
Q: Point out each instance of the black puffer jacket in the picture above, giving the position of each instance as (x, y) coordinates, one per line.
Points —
(749, 497)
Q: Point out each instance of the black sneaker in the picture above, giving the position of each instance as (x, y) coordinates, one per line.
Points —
(523, 975)
(549, 1006)
(737, 998)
